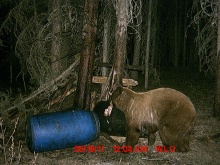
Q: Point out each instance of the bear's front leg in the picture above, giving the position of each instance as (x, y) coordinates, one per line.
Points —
(132, 137)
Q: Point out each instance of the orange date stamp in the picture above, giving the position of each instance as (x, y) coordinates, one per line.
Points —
(91, 149)
(128, 149)
(122, 149)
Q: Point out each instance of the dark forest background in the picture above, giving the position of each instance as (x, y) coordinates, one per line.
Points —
(174, 41)
(40, 40)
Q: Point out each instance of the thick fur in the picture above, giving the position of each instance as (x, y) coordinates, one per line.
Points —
(164, 109)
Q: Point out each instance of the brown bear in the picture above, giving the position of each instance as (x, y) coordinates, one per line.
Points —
(164, 109)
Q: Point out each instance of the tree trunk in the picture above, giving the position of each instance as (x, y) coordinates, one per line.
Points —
(155, 59)
(154, 36)
(137, 46)
(83, 92)
(184, 39)
(120, 37)
(176, 53)
(106, 36)
(216, 108)
(148, 45)
(56, 40)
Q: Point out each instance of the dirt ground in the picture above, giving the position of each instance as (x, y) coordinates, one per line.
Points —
(205, 141)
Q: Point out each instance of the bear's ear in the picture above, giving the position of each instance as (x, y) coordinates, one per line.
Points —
(119, 90)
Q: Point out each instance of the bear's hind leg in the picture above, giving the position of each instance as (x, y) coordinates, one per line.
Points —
(169, 137)
(182, 145)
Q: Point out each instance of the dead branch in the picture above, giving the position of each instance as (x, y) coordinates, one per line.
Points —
(48, 87)
(103, 80)
(62, 97)
(95, 79)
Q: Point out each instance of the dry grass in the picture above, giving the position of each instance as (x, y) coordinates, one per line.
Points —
(205, 149)
(11, 152)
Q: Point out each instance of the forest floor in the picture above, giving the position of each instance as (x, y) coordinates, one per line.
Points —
(205, 147)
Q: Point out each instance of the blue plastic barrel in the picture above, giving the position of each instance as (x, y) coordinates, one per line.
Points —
(58, 130)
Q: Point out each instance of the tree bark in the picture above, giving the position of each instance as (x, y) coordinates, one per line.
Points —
(216, 108)
(148, 45)
(184, 39)
(106, 37)
(83, 92)
(120, 37)
(176, 53)
(155, 58)
(154, 36)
